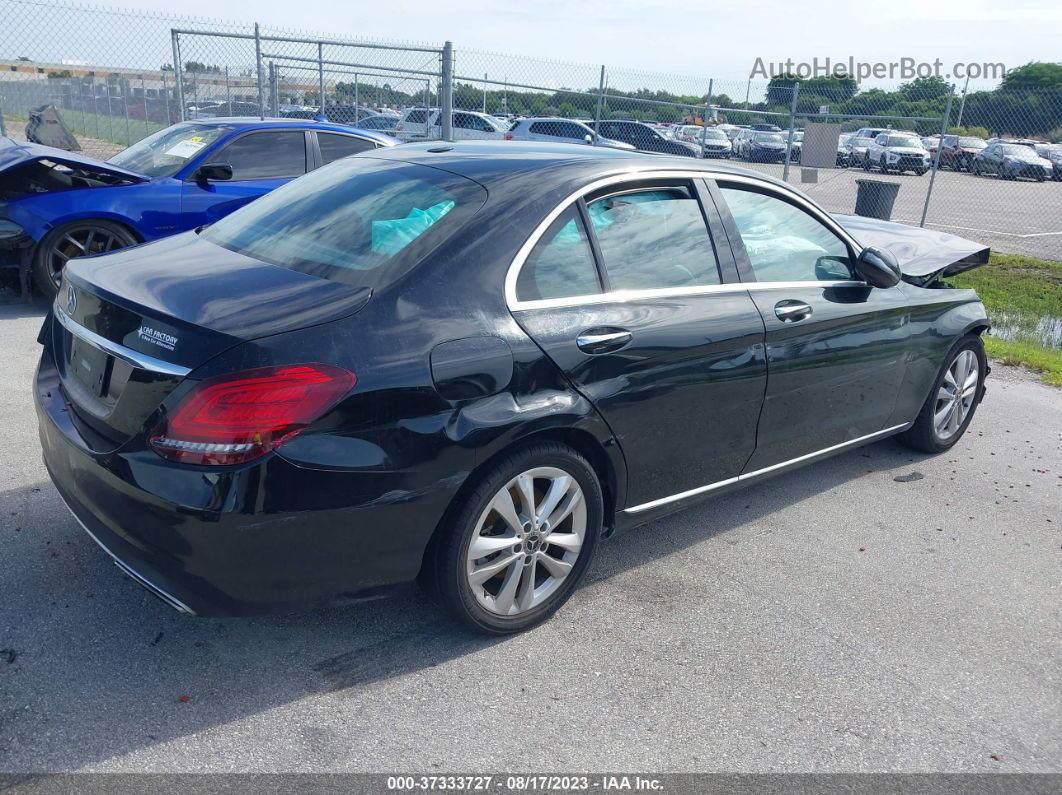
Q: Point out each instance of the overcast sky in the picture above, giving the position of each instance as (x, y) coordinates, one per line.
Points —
(691, 39)
(684, 37)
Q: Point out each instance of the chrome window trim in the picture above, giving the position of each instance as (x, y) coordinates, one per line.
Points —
(513, 273)
(128, 355)
(646, 506)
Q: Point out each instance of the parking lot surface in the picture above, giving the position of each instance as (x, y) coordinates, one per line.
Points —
(1009, 216)
(883, 610)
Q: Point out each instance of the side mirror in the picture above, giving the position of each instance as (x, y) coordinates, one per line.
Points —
(878, 267)
(217, 172)
(589, 138)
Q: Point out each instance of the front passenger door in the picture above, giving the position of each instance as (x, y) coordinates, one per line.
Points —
(260, 161)
(836, 347)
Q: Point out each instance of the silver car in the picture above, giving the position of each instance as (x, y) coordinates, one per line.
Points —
(558, 130)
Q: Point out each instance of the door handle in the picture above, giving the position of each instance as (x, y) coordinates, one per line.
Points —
(603, 340)
(791, 311)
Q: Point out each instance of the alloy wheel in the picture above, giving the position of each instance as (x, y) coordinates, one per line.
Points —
(80, 241)
(527, 541)
(955, 398)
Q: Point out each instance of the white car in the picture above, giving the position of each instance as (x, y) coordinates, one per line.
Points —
(899, 152)
(424, 124)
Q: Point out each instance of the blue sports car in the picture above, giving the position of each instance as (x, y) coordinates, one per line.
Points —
(57, 205)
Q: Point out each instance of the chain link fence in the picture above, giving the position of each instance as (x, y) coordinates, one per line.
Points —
(117, 76)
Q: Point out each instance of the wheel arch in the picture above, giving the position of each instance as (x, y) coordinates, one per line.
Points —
(94, 215)
(603, 456)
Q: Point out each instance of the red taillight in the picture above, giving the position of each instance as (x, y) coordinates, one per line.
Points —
(508, 136)
(238, 417)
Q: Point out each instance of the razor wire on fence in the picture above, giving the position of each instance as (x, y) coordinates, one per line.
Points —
(966, 162)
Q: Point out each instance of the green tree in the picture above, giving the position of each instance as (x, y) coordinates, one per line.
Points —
(925, 88)
(1033, 75)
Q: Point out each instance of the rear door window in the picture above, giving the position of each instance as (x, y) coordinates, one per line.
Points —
(562, 263)
(266, 155)
(653, 238)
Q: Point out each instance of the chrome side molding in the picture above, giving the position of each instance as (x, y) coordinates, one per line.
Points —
(684, 495)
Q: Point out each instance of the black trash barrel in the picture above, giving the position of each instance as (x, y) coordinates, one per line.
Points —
(875, 198)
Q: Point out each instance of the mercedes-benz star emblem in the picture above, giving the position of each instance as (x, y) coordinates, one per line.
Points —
(71, 300)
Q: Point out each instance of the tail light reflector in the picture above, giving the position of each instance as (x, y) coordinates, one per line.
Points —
(241, 416)
(508, 136)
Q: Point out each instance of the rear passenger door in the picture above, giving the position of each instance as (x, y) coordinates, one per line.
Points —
(625, 292)
(260, 161)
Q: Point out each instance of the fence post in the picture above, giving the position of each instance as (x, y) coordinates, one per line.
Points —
(143, 96)
(175, 41)
(258, 69)
(962, 105)
(707, 112)
(3, 129)
(356, 95)
(125, 104)
(320, 82)
(936, 157)
(166, 96)
(228, 90)
(600, 104)
(446, 98)
(792, 123)
(485, 75)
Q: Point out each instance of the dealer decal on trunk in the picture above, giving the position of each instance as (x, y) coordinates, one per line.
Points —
(156, 337)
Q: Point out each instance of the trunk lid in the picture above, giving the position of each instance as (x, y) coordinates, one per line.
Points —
(131, 325)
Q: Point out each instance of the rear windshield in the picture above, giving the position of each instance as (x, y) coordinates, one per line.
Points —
(359, 220)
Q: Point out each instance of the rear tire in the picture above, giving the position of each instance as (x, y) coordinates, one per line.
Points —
(522, 576)
(953, 400)
(72, 240)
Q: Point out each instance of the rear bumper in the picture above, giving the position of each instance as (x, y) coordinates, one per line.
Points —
(263, 538)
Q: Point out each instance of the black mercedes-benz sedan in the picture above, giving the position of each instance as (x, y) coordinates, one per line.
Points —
(468, 363)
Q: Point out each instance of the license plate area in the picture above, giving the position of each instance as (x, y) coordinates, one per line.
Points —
(90, 366)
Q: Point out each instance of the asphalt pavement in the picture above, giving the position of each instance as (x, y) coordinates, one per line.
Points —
(883, 610)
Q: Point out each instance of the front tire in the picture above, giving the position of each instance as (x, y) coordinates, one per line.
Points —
(72, 240)
(951, 404)
(516, 545)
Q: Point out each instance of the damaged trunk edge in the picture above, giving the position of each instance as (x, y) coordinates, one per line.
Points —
(924, 255)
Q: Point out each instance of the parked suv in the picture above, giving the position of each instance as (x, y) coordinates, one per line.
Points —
(899, 152)
(871, 132)
(958, 151)
(549, 128)
(642, 136)
(420, 124)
